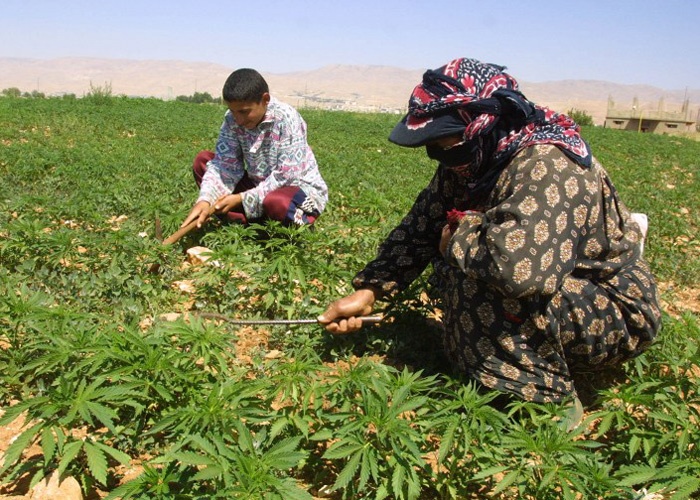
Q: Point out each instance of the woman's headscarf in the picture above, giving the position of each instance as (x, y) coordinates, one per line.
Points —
(483, 103)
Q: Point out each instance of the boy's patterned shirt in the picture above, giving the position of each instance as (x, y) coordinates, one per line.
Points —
(274, 154)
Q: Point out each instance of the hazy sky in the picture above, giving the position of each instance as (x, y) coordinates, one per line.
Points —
(624, 41)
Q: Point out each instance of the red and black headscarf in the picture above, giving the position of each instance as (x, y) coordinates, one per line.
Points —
(483, 103)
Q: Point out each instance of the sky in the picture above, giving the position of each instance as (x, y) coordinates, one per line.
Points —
(623, 41)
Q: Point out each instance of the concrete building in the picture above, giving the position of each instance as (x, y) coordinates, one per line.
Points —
(656, 121)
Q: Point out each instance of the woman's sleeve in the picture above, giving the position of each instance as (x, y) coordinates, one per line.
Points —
(410, 246)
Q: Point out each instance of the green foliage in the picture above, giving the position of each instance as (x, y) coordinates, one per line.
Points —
(198, 98)
(249, 466)
(14, 92)
(218, 411)
(582, 118)
(100, 94)
(34, 94)
(464, 419)
(11, 92)
(378, 436)
(657, 175)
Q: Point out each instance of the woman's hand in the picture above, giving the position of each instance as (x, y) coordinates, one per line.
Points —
(341, 315)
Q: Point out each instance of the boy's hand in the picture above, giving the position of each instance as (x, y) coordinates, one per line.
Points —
(228, 202)
(341, 315)
(199, 213)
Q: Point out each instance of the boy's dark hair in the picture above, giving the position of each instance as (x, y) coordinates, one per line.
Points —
(245, 84)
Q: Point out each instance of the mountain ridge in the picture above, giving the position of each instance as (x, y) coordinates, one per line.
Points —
(334, 86)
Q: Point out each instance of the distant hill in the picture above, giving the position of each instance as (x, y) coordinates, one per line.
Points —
(350, 87)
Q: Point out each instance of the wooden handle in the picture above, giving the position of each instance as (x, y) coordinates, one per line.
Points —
(370, 320)
(184, 230)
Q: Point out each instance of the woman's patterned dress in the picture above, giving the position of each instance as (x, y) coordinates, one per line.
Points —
(543, 279)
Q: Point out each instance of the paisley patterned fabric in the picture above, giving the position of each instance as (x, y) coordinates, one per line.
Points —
(542, 279)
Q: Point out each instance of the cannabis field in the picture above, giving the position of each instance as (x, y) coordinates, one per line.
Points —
(109, 376)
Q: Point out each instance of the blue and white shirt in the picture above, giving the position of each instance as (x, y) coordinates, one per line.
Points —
(275, 154)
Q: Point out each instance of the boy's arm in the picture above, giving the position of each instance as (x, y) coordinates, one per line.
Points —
(226, 169)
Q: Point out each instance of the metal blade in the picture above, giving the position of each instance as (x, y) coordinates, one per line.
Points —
(234, 321)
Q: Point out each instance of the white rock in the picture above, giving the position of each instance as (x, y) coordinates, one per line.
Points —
(51, 489)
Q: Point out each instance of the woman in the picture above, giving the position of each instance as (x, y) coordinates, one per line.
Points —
(537, 260)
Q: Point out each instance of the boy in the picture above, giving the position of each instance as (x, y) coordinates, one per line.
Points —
(263, 166)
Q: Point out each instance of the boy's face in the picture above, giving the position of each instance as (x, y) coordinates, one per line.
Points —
(249, 114)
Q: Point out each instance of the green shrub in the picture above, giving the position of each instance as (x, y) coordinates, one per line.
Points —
(580, 117)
